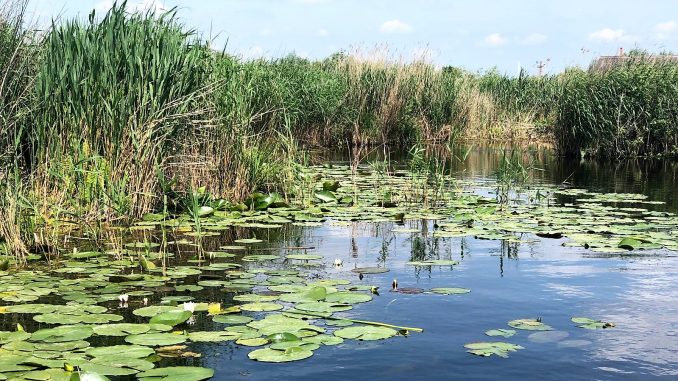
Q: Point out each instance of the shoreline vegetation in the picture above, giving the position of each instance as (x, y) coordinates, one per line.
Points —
(110, 118)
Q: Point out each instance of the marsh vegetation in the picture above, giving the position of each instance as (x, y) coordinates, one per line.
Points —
(157, 196)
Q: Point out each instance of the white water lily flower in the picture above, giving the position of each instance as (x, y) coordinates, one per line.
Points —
(145, 300)
(123, 298)
(189, 306)
(338, 262)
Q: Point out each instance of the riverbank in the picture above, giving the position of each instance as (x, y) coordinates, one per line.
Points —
(106, 120)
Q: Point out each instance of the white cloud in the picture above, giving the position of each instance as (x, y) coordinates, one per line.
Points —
(665, 29)
(534, 39)
(495, 39)
(265, 32)
(395, 26)
(322, 33)
(611, 35)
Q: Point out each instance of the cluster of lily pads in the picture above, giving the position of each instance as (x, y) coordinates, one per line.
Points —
(284, 313)
(98, 297)
(502, 349)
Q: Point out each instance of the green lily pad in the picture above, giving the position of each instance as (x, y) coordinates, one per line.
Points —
(450, 290)
(176, 373)
(365, 332)
(370, 270)
(278, 356)
(630, 244)
(62, 333)
(587, 323)
(156, 339)
(171, 318)
(304, 257)
(252, 342)
(261, 307)
(121, 329)
(347, 297)
(232, 319)
(500, 332)
(435, 262)
(212, 336)
(8, 337)
(131, 351)
(529, 325)
(487, 349)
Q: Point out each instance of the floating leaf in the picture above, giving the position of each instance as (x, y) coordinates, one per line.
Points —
(62, 333)
(529, 325)
(370, 270)
(365, 332)
(261, 307)
(487, 349)
(277, 356)
(156, 339)
(132, 351)
(587, 323)
(176, 373)
(450, 290)
(326, 196)
(501, 332)
(171, 318)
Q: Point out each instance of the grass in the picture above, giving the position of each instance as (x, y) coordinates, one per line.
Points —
(105, 119)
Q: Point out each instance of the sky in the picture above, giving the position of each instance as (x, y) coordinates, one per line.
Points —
(472, 34)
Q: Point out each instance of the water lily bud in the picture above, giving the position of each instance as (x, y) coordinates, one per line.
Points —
(394, 285)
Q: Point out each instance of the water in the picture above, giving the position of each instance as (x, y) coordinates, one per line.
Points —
(540, 279)
(508, 281)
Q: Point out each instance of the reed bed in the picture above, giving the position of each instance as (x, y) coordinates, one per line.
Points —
(103, 118)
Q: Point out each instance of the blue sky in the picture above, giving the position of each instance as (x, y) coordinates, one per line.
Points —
(476, 35)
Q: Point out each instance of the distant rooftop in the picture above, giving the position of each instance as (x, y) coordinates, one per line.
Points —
(605, 63)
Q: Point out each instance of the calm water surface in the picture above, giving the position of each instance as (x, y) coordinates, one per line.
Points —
(543, 279)
(508, 281)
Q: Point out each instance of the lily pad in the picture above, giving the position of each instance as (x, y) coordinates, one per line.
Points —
(176, 373)
(278, 356)
(587, 323)
(171, 318)
(62, 333)
(529, 325)
(156, 339)
(450, 290)
(487, 349)
(501, 332)
(370, 270)
(365, 332)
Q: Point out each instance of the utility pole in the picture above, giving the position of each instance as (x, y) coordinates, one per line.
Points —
(541, 65)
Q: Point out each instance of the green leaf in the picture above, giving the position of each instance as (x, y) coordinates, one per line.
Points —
(325, 196)
(501, 332)
(156, 339)
(171, 318)
(450, 290)
(529, 325)
(487, 349)
(278, 356)
(365, 332)
(176, 373)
